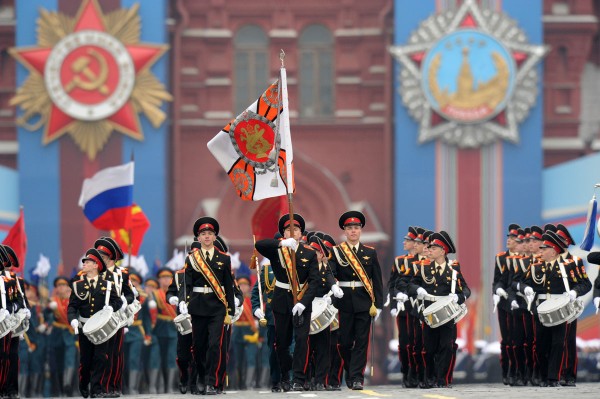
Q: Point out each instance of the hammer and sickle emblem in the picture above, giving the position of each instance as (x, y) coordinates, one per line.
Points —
(81, 68)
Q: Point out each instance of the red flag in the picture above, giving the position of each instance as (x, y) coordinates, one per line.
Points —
(131, 239)
(266, 216)
(17, 239)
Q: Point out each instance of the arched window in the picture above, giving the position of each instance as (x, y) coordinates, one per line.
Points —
(251, 65)
(316, 72)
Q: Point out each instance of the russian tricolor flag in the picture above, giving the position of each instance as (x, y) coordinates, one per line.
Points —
(107, 197)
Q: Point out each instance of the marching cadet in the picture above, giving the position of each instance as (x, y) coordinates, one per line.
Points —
(134, 340)
(209, 281)
(518, 307)
(359, 276)
(583, 286)
(62, 350)
(112, 253)
(319, 342)
(267, 283)
(10, 298)
(151, 351)
(594, 258)
(501, 288)
(398, 303)
(188, 375)
(32, 351)
(165, 331)
(291, 317)
(436, 279)
(87, 298)
(545, 279)
(12, 378)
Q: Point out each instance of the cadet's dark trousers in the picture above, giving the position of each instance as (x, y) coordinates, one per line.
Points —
(12, 377)
(550, 343)
(416, 342)
(4, 363)
(355, 330)
(224, 357)
(93, 364)
(319, 347)
(208, 336)
(518, 338)
(528, 322)
(438, 346)
(185, 363)
(334, 376)
(283, 339)
(273, 362)
(404, 344)
(504, 321)
(114, 381)
(569, 369)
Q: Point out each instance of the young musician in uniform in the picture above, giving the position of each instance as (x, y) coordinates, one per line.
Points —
(209, 282)
(112, 253)
(87, 298)
(437, 278)
(291, 319)
(359, 275)
(518, 307)
(545, 279)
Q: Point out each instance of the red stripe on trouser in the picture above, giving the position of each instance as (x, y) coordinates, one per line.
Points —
(120, 363)
(220, 352)
(307, 354)
(450, 367)
(341, 369)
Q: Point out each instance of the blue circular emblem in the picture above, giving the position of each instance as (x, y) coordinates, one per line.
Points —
(468, 76)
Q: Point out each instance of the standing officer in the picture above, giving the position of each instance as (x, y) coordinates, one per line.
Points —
(62, 350)
(437, 278)
(500, 288)
(547, 279)
(359, 276)
(291, 318)
(210, 284)
(87, 298)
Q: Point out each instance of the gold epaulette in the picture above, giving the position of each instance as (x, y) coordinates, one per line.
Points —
(369, 246)
(500, 253)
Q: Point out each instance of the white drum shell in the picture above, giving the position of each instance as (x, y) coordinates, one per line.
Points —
(463, 313)
(6, 324)
(102, 326)
(579, 307)
(556, 310)
(183, 322)
(21, 324)
(322, 315)
(440, 312)
(238, 313)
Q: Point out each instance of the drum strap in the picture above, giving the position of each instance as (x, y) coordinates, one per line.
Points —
(561, 266)
(108, 288)
(453, 286)
(200, 266)
(358, 268)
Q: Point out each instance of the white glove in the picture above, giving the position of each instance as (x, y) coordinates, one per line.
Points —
(454, 298)
(6, 312)
(183, 308)
(290, 243)
(572, 295)
(528, 291)
(421, 293)
(75, 324)
(495, 299)
(298, 309)
(514, 305)
(124, 302)
(500, 292)
(394, 312)
(236, 301)
(27, 314)
(597, 302)
(259, 314)
(377, 315)
(337, 291)
(135, 292)
(42, 328)
(401, 297)
(107, 307)
(387, 300)
(174, 301)
(53, 305)
(328, 299)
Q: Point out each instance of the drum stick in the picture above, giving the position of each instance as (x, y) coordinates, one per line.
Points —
(495, 307)
(400, 306)
(76, 330)
(453, 286)
(107, 297)
(597, 310)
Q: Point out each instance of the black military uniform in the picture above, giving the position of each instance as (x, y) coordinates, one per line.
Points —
(435, 280)
(545, 278)
(119, 277)
(501, 287)
(86, 300)
(359, 275)
(286, 323)
(583, 286)
(594, 258)
(12, 381)
(205, 273)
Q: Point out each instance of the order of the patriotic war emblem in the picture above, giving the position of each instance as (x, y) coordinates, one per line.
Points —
(256, 141)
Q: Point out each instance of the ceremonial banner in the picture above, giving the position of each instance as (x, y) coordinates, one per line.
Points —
(17, 239)
(131, 239)
(255, 149)
(266, 216)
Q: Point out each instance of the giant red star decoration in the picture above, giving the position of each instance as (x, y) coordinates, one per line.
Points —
(90, 73)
